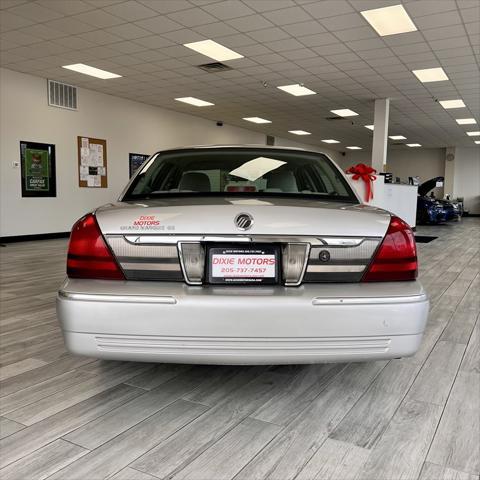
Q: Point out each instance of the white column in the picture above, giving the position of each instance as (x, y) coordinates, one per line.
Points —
(380, 134)
(448, 185)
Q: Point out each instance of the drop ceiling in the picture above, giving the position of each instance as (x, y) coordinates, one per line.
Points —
(327, 45)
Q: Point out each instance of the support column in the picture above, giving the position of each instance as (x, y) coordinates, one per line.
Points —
(380, 134)
(448, 185)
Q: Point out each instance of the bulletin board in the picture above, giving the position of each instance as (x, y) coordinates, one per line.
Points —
(92, 162)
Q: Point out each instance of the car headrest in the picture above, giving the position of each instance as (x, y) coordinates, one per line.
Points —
(195, 182)
(284, 181)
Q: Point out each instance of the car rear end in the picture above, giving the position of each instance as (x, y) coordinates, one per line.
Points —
(254, 272)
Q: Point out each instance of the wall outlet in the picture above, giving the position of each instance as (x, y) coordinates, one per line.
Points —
(16, 164)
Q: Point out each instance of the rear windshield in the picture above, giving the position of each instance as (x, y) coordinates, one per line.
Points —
(245, 172)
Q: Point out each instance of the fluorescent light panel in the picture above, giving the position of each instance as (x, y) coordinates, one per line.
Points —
(92, 71)
(413, 145)
(330, 140)
(465, 121)
(344, 112)
(354, 148)
(477, 142)
(452, 104)
(397, 137)
(214, 50)
(370, 127)
(299, 132)
(473, 134)
(430, 75)
(256, 120)
(297, 90)
(194, 101)
(389, 20)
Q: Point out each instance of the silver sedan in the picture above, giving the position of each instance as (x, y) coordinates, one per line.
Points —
(241, 255)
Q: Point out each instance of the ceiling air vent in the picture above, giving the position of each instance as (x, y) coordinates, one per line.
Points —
(335, 118)
(62, 95)
(214, 67)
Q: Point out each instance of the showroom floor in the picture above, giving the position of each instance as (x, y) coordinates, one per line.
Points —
(86, 419)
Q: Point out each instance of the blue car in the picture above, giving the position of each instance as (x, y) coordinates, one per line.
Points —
(429, 209)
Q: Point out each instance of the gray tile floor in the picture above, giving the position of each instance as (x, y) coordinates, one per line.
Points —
(67, 417)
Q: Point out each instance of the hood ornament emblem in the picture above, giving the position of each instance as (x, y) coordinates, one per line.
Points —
(243, 221)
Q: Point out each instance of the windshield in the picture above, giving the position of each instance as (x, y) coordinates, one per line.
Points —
(239, 171)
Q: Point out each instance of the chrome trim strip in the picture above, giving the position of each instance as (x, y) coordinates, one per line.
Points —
(342, 242)
(367, 300)
(88, 297)
(151, 266)
(335, 268)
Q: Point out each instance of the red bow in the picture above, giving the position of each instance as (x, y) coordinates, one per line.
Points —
(364, 172)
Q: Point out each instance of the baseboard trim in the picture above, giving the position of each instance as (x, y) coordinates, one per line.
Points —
(30, 238)
(471, 215)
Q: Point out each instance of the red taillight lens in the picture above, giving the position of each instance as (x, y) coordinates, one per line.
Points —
(88, 254)
(396, 258)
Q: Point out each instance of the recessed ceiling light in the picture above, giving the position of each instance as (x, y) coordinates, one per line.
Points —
(330, 141)
(256, 120)
(473, 134)
(430, 75)
(299, 132)
(413, 145)
(92, 71)
(194, 101)
(214, 50)
(465, 121)
(344, 112)
(397, 137)
(297, 90)
(389, 20)
(370, 127)
(477, 142)
(451, 103)
(354, 148)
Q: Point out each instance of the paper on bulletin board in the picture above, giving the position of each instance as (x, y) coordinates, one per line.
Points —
(83, 173)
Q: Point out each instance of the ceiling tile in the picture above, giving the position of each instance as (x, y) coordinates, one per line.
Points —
(69, 25)
(130, 11)
(166, 6)
(250, 23)
(9, 21)
(192, 17)
(98, 18)
(267, 5)
(287, 16)
(159, 24)
(327, 8)
(268, 34)
(217, 29)
(67, 8)
(228, 9)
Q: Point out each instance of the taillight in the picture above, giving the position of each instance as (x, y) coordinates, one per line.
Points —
(88, 254)
(396, 258)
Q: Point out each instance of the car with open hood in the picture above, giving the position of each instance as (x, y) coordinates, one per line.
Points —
(432, 210)
(241, 255)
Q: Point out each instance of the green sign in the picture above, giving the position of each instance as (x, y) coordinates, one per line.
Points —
(37, 170)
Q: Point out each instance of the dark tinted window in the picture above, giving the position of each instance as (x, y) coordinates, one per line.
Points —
(240, 172)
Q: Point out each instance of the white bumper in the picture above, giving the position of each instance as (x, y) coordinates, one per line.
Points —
(173, 322)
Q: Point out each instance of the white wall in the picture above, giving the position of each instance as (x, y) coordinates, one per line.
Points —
(127, 126)
(423, 162)
(466, 181)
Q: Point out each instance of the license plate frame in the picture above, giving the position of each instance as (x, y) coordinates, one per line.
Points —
(243, 250)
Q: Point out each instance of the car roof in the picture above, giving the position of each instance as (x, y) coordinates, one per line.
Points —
(246, 146)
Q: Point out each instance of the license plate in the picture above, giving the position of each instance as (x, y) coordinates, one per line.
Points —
(257, 264)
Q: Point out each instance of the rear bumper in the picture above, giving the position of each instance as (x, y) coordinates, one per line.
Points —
(173, 322)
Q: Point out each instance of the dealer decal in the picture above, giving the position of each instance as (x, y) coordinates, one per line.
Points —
(147, 222)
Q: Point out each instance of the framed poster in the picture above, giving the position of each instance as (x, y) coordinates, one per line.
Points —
(92, 162)
(135, 161)
(38, 169)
